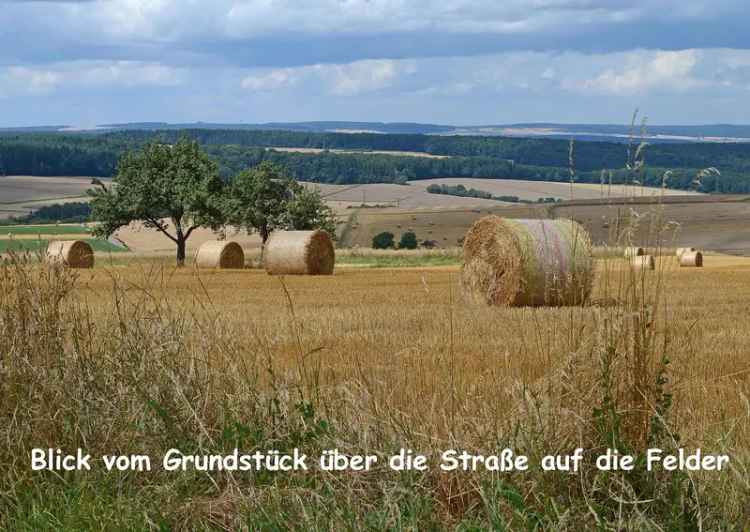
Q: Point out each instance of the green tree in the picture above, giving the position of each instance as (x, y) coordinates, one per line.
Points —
(265, 198)
(306, 210)
(384, 240)
(408, 240)
(174, 189)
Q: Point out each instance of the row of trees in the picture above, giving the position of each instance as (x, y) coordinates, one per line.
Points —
(175, 189)
(463, 192)
(590, 155)
(483, 157)
(73, 212)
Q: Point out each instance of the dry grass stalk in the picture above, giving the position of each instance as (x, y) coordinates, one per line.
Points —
(299, 253)
(634, 251)
(71, 253)
(527, 262)
(643, 262)
(220, 254)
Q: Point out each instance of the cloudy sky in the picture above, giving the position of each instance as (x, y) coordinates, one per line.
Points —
(463, 62)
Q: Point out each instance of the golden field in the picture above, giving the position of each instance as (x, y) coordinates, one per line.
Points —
(136, 356)
(407, 331)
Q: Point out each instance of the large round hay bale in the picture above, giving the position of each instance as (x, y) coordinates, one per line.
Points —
(643, 262)
(634, 251)
(299, 253)
(527, 262)
(71, 253)
(691, 259)
(220, 254)
(680, 251)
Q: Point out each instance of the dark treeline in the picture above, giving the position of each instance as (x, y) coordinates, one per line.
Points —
(74, 212)
(463, 192)
(460, 191)
(52, 154)
(481, 157)
(590, 156)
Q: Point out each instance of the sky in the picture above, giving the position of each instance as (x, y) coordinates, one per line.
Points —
(459, 62)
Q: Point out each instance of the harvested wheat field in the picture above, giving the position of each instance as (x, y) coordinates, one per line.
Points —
(369, 361)
(19, 195)
(390, 327)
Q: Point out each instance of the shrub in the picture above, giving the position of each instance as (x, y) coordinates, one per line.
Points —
(384, 240)
(408, 240)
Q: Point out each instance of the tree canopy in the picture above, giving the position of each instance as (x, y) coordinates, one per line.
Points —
(265, 197)
(408, 240)
(171, 188)
(384, 240)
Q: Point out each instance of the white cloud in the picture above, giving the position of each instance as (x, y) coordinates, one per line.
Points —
(32, 80)
(366, 76)
(275, 79)
(165, 20)
(341, 79)
(124, 73)
(549, 73)
(666, 70)
(508, 16)
(41, 79)
(637, 73)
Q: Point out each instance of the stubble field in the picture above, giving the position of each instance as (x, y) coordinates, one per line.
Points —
(408, 330)
(369, 361)
(393, 325)
(20, 195)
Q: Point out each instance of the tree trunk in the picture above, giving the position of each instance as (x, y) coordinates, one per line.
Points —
(181, 241)
(264, 233)
(181, 244)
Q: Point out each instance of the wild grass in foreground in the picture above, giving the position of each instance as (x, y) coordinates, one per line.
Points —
(141, 359)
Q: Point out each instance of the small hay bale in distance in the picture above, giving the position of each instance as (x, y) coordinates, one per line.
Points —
(643, 262)
(692, 259)
(634, 251)
(70, 253)
(680, 251)
(221, 254)
(527, 262)
(299, 253)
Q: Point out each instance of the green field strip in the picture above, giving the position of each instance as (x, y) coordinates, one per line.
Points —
(32, 245)
(50, 229)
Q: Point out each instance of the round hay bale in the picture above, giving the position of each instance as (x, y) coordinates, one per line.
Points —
(70, 253)
(220, 254)
(299, 253)
(643, 262)
(692, 259)
(527, 262)
(680, 251)
(634, 251)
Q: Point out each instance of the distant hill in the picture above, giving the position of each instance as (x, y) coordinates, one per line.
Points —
(32, 129)
(721, 133)
(312, 127)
